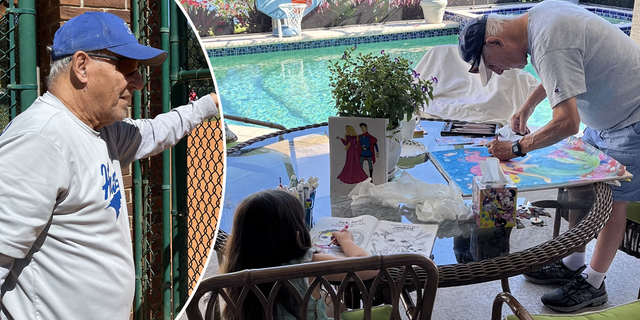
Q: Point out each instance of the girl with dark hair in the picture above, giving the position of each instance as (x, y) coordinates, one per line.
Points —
(268, 231)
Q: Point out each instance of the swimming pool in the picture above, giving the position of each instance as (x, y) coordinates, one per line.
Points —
(292, 88)
(620, 17)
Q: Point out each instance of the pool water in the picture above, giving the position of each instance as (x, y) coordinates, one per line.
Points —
(615, 20)
(291, 88)
(608, 19)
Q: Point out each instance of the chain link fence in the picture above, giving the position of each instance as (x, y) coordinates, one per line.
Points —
(204, 179)
(9, 99)
(148, 176)
(196, 175)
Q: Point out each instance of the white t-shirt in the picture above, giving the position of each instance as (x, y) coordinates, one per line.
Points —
(578, 54)
(63, 214)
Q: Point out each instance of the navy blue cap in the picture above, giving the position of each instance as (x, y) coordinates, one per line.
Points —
(470, 44)
(93, 31)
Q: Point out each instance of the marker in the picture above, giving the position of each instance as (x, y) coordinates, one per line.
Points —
(305, 190)
(333, 239)
(300, 194)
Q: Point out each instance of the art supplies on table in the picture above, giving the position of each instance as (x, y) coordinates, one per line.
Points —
(570, 162)
(469, 129)
(375, 236)
(358, 150)
(420, 131)
(457, 140)
(305, 192)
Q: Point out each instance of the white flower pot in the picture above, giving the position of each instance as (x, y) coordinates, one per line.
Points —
(394, 138)
(433, 10)
(409, 126)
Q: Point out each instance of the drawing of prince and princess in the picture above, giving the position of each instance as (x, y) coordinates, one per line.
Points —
(358, 149)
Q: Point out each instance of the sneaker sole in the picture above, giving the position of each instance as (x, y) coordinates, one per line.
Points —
(591, 303)
(546, 281)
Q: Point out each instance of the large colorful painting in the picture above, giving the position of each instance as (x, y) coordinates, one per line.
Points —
(569, 162)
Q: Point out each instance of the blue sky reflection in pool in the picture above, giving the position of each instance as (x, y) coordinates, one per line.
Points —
(291, 88)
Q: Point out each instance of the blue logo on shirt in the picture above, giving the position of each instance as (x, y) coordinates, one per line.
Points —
(111, 189)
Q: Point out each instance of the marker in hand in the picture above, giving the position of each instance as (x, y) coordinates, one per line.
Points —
(333, 239)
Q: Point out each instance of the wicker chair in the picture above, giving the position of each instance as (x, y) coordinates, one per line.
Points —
(397, 266)
(626, 311)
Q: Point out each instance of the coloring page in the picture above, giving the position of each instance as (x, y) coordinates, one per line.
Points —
(394, 237)
(360, 227)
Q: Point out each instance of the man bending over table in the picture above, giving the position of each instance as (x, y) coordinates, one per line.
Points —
(589, 71)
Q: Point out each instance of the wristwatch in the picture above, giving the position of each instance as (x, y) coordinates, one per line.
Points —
(517, 149)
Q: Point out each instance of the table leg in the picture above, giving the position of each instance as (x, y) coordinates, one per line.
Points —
(558, 215)
(505, 284)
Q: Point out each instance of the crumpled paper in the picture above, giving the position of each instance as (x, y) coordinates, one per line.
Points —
(432, 202)
(507, 134)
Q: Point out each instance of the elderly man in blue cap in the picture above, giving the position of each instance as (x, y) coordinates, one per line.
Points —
(65, 244)
(589, 72)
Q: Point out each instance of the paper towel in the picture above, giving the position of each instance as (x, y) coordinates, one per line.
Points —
(432, 202)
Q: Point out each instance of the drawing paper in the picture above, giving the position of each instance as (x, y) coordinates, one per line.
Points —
(375, 236)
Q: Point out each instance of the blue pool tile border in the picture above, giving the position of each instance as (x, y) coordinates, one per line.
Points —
(462, 20)
(278, 47)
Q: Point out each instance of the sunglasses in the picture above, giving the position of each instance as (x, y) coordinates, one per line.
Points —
(476, 61)
(126, 66)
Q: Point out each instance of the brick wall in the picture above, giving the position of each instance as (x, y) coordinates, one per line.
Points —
(53, 13)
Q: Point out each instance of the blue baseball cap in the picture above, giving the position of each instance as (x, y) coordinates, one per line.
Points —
(93, 31)
(470, 44)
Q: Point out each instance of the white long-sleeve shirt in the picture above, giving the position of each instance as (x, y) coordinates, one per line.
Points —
(63, 214)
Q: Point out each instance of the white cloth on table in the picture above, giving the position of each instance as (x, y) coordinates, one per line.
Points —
(433, 202)
(459, 95)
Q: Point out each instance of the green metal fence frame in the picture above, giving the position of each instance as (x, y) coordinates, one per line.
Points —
(22, 87)
(174, 79)
(143, 12)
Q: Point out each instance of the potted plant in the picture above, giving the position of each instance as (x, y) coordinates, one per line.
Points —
(433, 10)
(379, 86)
